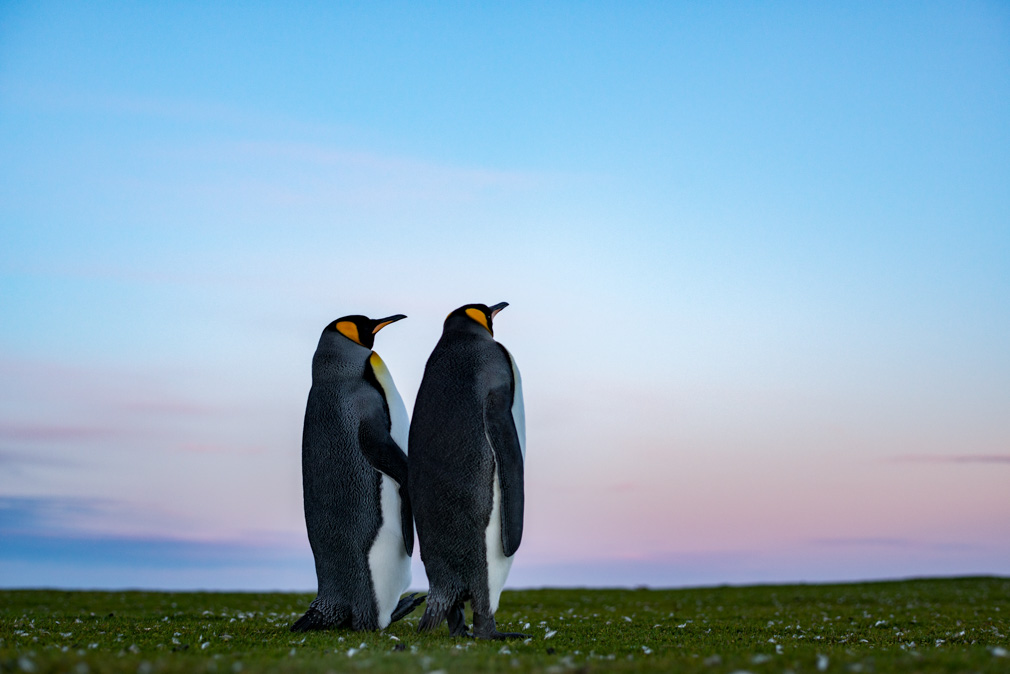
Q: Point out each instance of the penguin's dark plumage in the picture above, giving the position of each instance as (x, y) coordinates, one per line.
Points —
(354, 480)
(467, 449)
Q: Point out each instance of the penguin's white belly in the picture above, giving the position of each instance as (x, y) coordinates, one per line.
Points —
(388, 560)
(498, 565)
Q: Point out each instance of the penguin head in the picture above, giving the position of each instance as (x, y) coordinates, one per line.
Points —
(479, 314)
(361, 329)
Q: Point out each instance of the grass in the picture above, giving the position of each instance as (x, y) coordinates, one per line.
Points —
(932, 625)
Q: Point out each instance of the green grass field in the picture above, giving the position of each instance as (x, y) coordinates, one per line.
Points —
(948, 625)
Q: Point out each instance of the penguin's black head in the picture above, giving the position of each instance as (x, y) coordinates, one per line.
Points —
(480, 314)
(361, 329)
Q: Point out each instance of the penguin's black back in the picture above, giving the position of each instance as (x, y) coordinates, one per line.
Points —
(451, 462)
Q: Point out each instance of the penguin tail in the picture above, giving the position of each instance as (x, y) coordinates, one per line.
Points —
(406, 605)
(432, 618)
(314, 619)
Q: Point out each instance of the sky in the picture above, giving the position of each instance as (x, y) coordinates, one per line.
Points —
(757, 260)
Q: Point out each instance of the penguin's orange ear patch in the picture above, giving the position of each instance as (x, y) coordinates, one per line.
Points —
(348, 330)
(478, 315)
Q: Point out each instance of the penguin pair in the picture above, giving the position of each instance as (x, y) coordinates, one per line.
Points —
(467, 447)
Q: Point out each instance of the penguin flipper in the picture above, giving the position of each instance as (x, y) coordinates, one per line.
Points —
(407, 522)
(406, 605)
(508, 453)
(385, 456)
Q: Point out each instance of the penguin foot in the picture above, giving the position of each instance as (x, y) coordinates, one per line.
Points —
(406, 605)
(457, 622)
(322, 615)
(312, 620)
(484, 628)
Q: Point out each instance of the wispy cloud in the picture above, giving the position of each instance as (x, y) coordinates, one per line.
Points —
(883, 542)
(13, 459)
(48, 542)
(50, 99)
(211, 448)
(53, 433)
(955, 458)
(71, 517)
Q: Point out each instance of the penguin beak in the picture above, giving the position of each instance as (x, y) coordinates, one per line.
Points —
(496, 308)
(383, 322)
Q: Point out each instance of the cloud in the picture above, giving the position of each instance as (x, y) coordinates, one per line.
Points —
(955, 458)
(170, 407)
(152, 551)
(47, 542)
(33, 515)
(63, 100)
(883, 542)
(53, 433)
(14, 458)
(209, 448)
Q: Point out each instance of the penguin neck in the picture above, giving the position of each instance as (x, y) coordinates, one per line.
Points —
(462, 325)
(339, 358)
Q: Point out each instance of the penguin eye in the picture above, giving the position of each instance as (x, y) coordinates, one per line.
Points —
(479, 316)
(348, 330)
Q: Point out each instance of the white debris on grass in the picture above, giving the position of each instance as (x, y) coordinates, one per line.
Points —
(999, 652)
(822, 662)
(550, 633)
(760, 658)
(646, 650)
(204, 645)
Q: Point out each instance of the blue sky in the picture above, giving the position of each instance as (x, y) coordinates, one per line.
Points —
(757, 258)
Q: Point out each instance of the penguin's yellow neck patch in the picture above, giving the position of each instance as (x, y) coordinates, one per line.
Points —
(349, 330)
(478, 315)
(377, 365)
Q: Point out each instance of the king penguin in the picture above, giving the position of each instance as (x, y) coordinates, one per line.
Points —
(354, 482)
(467, 448)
